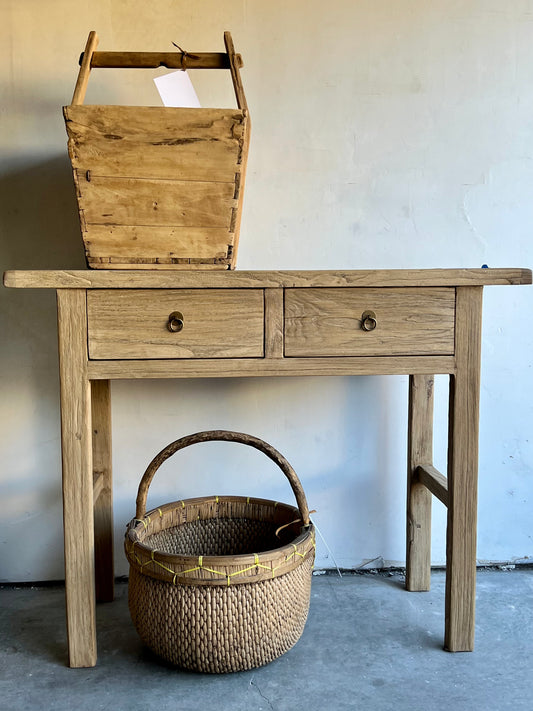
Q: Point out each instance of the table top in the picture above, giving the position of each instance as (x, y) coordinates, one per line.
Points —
(176, 279)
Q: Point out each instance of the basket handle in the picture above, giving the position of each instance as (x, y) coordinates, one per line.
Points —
(222, 436)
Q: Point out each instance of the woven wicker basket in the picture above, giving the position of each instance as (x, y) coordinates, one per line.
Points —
(221, 583)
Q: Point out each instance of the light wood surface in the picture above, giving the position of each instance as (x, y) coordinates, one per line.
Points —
(235, 64)
(92, 279)
(128, 316)
(419, 451)
(218, 323)
(265, 367)
(85, 69)
(103, 490)
(108, 243)
(462, 474)
(328, 322)
(157, 167)
(155, 142)
(433, 480)
(76, 448)
(128, 201)
(273, 323)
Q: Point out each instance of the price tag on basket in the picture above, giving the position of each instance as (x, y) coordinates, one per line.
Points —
(176, 90)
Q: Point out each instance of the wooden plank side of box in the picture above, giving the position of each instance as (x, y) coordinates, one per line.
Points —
(127, 201)
(154, 142)
(144, 242)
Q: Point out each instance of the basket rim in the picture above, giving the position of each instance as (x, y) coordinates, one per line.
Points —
(136, 526)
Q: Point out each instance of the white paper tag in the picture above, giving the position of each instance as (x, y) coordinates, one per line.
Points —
(176, 89)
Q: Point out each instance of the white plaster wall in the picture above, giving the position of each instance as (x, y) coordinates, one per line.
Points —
(385, 134)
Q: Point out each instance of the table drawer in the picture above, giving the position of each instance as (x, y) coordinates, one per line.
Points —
(212, 323)
(404, 321)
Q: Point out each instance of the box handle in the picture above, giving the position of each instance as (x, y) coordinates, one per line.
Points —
(91, 59)
(222, 436)
(85, 69)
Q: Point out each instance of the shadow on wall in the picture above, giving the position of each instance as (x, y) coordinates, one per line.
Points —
(39, 229)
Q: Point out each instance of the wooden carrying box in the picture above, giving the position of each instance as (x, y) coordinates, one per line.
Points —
(157, 187)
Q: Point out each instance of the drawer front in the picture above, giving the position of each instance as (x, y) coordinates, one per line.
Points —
(408, 321)
(134, 323)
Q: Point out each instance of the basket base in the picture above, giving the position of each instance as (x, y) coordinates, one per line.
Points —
(217, 629)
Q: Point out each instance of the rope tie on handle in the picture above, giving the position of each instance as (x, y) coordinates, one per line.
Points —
(184, 56)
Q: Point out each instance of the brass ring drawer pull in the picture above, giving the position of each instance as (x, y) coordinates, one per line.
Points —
(368, 321)
(175, 322)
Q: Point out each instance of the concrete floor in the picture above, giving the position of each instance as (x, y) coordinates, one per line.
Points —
(368, 644)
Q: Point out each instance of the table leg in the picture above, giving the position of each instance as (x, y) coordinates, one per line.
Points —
(419, 452)
(462, 473)
(76, 445)
(103, 490)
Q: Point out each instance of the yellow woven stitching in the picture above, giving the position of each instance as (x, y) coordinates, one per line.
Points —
(295, 552)
(153, 560)
(161, 565)
(201, 566)
(216, 499)
(135, 554)
(183, 504)
(210, 570)
(190, 570)
(160, 513)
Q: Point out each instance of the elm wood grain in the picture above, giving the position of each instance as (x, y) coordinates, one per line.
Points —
(76, 449)
(419, 450)
(218, 323)
(434, 481)
(148, 243)
(235, 63)
(327, 322)
(132, 279)
(273, 323)
(158, 166)
(157, 263)
(151, 125)
(98, 484)
(103, 490)
(153, 60)
(265, 367)
(464, 390)
(462, 474)
(85, 69)
(155, 142)
(128, 201)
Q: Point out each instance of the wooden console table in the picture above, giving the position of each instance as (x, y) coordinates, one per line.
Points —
(185, 324)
